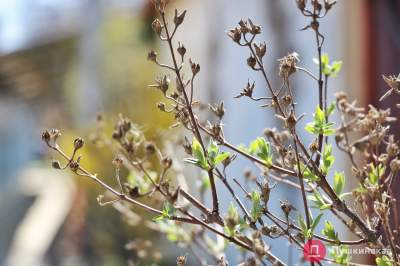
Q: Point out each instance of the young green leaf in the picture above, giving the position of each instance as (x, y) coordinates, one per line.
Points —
(336, 67)
(315, 222)
(319, 202)
(327, 159)
(167, 212)
(383, 261)
(340, 254)
(376, 173)
(308, 175)
(329, 231)
(330, 108)
(256, 210)
(319, 124)
(338, 182)
(262, 149)
(198, 154)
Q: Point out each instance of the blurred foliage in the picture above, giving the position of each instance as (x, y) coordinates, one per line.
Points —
(125, 76)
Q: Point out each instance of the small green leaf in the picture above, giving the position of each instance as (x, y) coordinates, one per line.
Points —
(383, 261)
(327, 159)
(340, 254)
(256, 210)
(262, 149)
(198, 154)
(338, 182)
(315, 223)
(158, 218)
(329, 231)
(325, 60)
(220, 157)
(330, 108)
(308, 175)
(319, 116)
(376, 173)
(302, 224)
(319, 124)
(319, 202)
(336, 67)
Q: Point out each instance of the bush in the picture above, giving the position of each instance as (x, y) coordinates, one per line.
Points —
(363, 136)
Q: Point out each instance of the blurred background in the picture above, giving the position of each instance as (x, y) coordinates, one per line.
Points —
(63, 62)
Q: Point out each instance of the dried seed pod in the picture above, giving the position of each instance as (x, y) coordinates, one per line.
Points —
(235, 34)
(195, 67)
(252, 62)
(46, 137)
(261, 49)
(157, 26)
(181, 49)
(152, 56)
(179, 18)
(78, 143)
(55, 164)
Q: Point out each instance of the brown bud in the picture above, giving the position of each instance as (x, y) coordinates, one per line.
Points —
(152, 56)
(218, 109)
(243, 26)
(395, 165)
(286, 208)
(74, 166)
(157, 26)
(260, 49)
(178, 18)
(317, 5)
(195, 67)
(117, 162)
(78, 143)
(166, 162)
(252, 62)
(187, 146)
(132, 191)
(247, 91)
(254, 29)
(46, 136)
(235, 34)
(328, 5)
(287, 100)
(301, 4)
(55, 164)
(313, 146)
(161, 106)
(150, 148)
(181, 50)
(181, 261)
